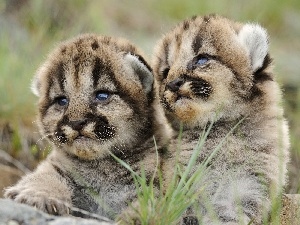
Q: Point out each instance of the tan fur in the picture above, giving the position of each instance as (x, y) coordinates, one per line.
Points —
(212, 69)
(96, 96)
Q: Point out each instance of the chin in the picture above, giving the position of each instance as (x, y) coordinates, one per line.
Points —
(191, 113)
(87, 148)
(185, 109)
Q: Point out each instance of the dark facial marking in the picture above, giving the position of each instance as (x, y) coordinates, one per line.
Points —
(178, 40)
(200, 87)
(60, 76)
(197, 43)
(94, 118)
(185, 25)
(95, 45)
(76, 62)
(60, 136)
(44, 105)
(97, 71)
(100, 68)
(166, 51)
(254, 93)
(104, 131)
(165, 72)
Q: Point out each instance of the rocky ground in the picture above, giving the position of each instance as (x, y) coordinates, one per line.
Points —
(12, 213)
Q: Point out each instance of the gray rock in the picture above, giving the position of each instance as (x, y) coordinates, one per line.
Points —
(13, 213)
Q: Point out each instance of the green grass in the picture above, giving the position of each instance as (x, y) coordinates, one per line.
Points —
(15, 96)
(160, 205)
(269, 12)
(165, 204)
(29, 32)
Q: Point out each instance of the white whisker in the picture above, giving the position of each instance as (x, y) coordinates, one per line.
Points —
(42, 138)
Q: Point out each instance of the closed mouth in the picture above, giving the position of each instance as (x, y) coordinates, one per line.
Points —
(168, 102)
(81, 137)
(179, 97)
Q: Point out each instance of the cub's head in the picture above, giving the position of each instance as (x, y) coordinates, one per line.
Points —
(208, 66)
(95, 94)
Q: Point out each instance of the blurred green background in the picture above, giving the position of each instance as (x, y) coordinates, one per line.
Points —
(29, 29)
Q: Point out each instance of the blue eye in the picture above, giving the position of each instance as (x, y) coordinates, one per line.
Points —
(102, 96)
(201, 61)
(62, 101)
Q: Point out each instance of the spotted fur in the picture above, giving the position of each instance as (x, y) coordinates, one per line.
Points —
(96, 96)
(212, 69)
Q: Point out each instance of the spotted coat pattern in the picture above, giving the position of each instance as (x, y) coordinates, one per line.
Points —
(214, 70)
(96, 97)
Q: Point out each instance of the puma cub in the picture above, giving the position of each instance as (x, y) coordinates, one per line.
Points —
(96, 97)
(214, 70)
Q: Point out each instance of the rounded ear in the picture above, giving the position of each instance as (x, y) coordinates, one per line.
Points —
(36, 81)
(255, 39)
(142, 69)
(35, 86)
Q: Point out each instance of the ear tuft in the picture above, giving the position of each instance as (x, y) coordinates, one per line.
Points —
(142, 70)
(255, 39)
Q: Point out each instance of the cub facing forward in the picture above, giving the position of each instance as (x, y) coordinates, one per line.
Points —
(212, 69)
(95, 97)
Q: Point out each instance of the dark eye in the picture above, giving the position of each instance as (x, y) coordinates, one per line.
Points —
(202, 60)
(62, 101)
(102, 95)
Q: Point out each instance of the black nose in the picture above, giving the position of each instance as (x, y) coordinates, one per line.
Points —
(78, 124)
(175, 84)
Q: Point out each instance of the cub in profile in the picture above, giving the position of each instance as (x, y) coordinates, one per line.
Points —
(214, 70)
(96, 97)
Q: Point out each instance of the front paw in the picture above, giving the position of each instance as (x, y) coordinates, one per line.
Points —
(39, 199)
